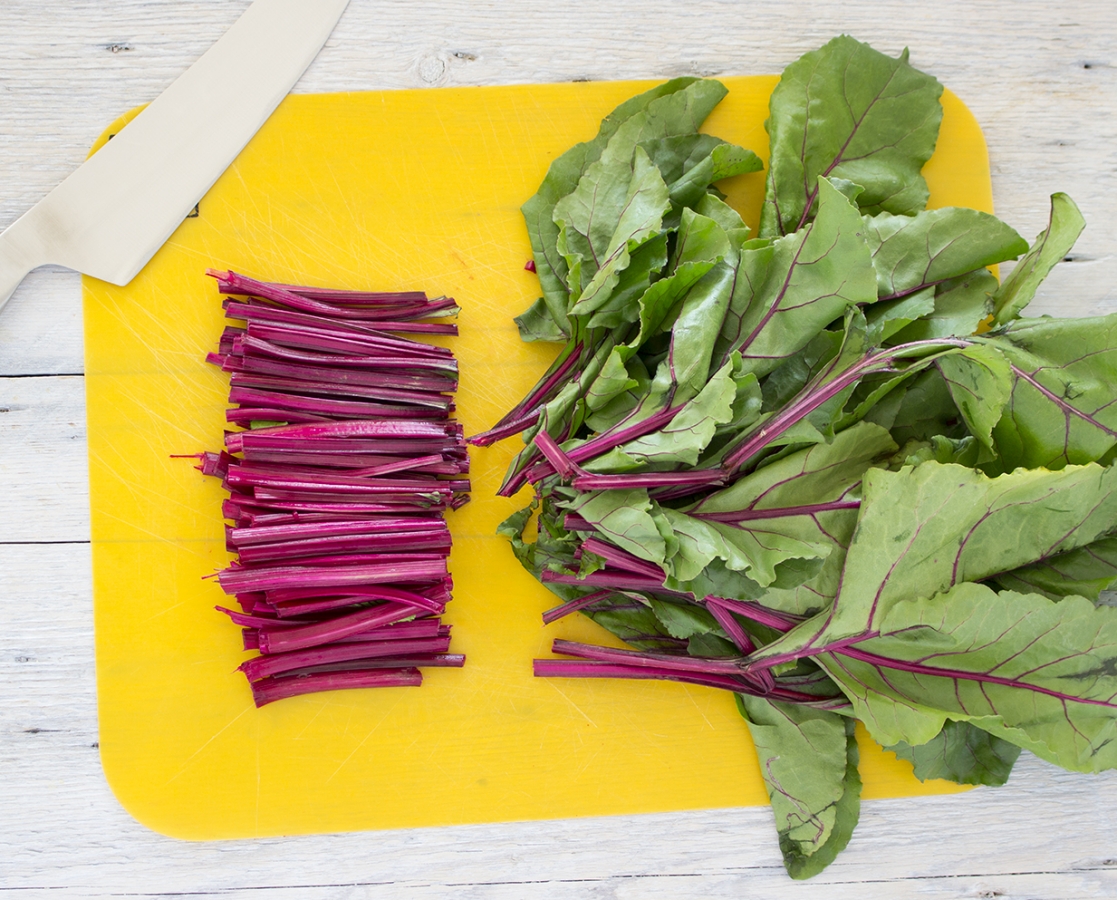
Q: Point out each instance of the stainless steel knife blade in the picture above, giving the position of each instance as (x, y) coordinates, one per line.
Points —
(109, 217)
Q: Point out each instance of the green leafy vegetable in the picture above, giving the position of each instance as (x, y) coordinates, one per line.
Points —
(961, 753)
(1051, 245)
(847, 111)
(829, 469)
(808, 759)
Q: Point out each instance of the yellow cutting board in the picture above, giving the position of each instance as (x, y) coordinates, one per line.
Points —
(397, 190)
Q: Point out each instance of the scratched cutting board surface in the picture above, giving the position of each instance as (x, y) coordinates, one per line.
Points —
(395, 190)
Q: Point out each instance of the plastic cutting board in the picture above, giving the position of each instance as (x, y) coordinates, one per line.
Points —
(390, 191)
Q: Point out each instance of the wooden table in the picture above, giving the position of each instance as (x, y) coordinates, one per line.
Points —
(1041, 78)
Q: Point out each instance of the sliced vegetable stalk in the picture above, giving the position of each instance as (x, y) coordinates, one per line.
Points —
(338, 484)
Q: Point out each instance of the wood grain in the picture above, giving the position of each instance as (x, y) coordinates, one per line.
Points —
(1041, 79)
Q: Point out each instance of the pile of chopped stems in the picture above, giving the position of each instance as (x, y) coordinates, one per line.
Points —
(340, 473)
(831, 467)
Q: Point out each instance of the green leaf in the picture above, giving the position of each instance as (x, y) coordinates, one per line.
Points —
(615, 208)
(1061, 410)
(960, 306)
(717, 580)
(621, 405)
(979, 379)
(961, 753)
(1064, 226)
(709, 645)
(644, 266)
(632, 621)
(691, 163)
(786, 292)
(796, 509)
(613, 380)
(887, 317)
(808, 759)
(818, 475)
(685, 370)
(1086, 572)
(925, 529)
(1040, 674)
(797, 370)
(911, 253)
(624, 518)
(563, 177)
(683, 439)
(853, 113)
(658, 301)
(675, 113)
(683, 620)
(919, 411)
(537, 324)
(754, 548)
(726, 216)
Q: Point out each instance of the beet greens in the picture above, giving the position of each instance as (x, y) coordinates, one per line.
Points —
(831, 468)
(338, 484)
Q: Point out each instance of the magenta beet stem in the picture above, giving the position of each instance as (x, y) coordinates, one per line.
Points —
(588, 481)
(246, 416)
(500, 432)
(250, 621)
(431, 598)
(252, 346)
(347, 378)
(236, 580)
(267, 690)
(412, 661)
(322, 340)
(620, 581)
(749, 515)
(594, 447)
(526, 413)
(648, 658)
(556, 457)
(233, 283)
(756, 612)
(622, 560)
(321, 406)
(252, 380)
(730, 626)
(339, 295)
(373, 325)
(383, 543)
(568, 668)
(263, 666)
(323, 632)
(571, 606)
(403, 465)
(400, 631)
(241, 537)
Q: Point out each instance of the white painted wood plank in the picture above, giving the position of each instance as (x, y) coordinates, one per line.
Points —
(72, 838)
(1042, 81)
(41, 326)
(43, 459)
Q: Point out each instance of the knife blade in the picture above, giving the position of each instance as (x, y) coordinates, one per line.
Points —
(114, 211)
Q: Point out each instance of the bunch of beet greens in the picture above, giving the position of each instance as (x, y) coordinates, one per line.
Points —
(339, 484)
(829, 467)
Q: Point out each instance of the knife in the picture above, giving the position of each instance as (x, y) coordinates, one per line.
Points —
(109, 217)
